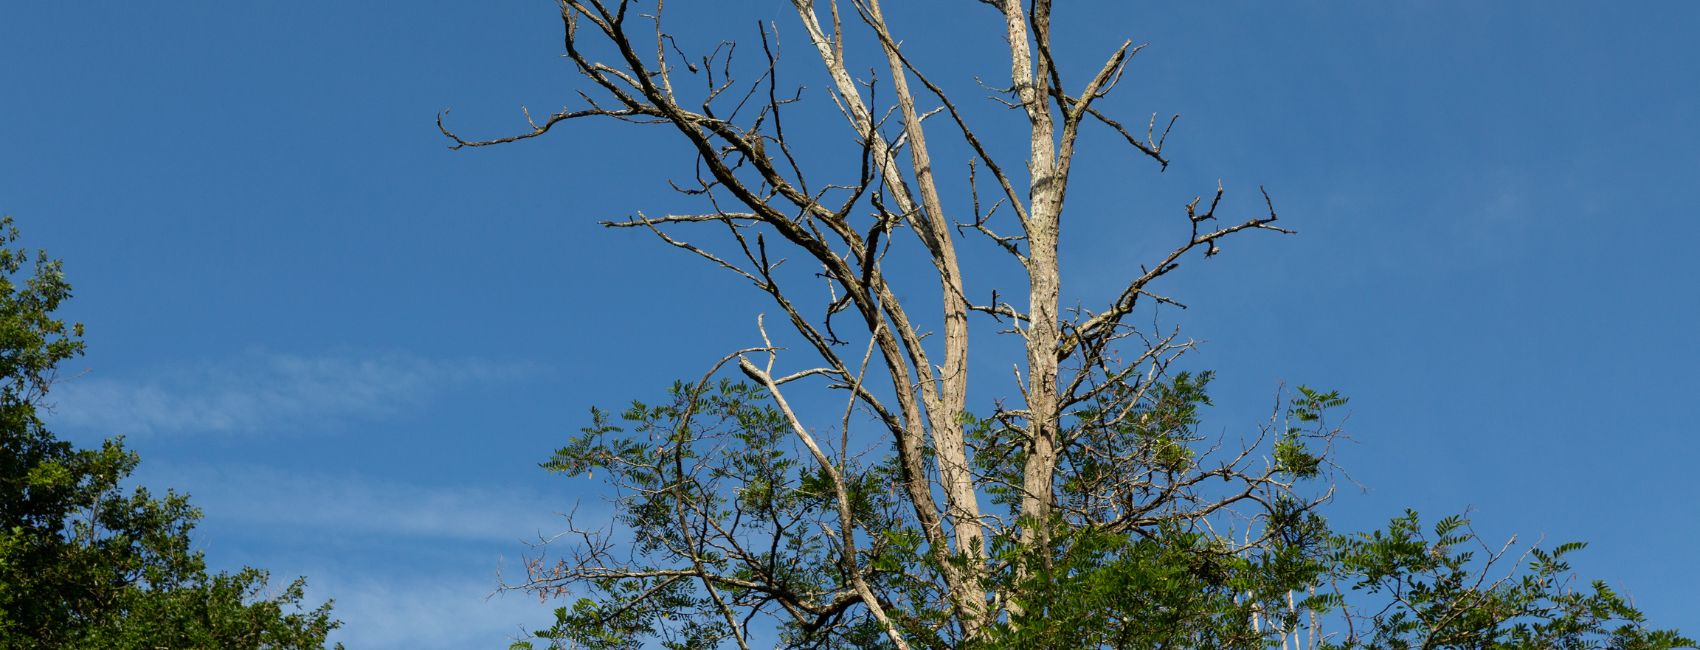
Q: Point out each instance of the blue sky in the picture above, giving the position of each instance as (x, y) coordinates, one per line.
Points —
(352, 345)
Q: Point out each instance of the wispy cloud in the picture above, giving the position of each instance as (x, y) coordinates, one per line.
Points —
(445, 611)
(265, 390)
(409, 565)
(321, 505)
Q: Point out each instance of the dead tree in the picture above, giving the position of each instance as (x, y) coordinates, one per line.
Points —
(1098, 434)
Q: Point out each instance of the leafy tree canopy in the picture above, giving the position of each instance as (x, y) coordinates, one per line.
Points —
(1170, 584)
(1076, 502)
(85, 561)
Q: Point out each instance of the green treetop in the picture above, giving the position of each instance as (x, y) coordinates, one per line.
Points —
(86, 562)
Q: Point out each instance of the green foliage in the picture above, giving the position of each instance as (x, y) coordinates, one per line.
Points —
(1171, 588)
(718, 516)
(84, 562)
(710, 483)
(1446, 591)
(1292, 455)
(1129, 569)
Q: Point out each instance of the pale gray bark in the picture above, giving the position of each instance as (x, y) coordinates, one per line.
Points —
(751, 166)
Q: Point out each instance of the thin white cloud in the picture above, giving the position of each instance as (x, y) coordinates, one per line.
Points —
(265, 391)
(425, 612)
(441, 548)
(409, 565)
(321, 505)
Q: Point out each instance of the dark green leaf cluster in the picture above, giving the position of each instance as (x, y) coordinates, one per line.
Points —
(1292, 453)
(1158, 542)
(1142, 551)
(719, 521)
(1166, 588)
(84, 562)
(1446, 591)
